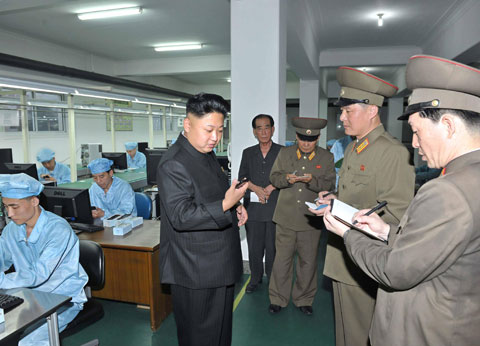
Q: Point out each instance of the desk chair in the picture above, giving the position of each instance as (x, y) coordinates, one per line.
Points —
(144, 205)
(93, 261)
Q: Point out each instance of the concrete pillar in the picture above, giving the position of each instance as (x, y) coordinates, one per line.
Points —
(258, 70)
(258, 73)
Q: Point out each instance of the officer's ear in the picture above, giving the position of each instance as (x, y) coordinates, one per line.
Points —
(373, 110)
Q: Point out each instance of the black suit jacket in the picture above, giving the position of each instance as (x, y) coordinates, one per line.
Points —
(257, 169)
(199, 243)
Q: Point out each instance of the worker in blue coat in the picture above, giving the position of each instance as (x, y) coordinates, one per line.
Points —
(135, 159)
(109, 194)
(43, 249)
(52, 170)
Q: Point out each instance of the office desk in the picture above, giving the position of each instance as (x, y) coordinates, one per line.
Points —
(36, 305)
(131, 269)
(137, 179)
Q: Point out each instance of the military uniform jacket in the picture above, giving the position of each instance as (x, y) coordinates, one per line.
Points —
(199, 242)
(291, 211)
(375, 168)
(430, 265)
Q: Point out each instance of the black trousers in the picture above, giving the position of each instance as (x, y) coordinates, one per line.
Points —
(261, 240)
(203, 316)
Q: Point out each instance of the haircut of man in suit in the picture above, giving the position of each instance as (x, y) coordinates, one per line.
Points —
(200, 254)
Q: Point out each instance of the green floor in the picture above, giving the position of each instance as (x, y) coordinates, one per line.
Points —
(125, 324)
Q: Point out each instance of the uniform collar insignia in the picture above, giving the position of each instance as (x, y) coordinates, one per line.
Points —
(362, 146)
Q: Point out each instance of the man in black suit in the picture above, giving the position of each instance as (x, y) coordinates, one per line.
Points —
(200, 253)
(261, 199)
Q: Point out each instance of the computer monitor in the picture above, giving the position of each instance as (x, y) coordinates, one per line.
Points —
(153, 158)
(14, 168)
(119, 159)
(71, 204)
(142, 146)
(6, 155)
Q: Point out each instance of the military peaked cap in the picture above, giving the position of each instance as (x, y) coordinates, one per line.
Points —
(441, 83)
(361, 87)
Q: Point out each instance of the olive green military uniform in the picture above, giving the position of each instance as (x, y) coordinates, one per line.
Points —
(297, 229)
(375, 168)
(429, 271)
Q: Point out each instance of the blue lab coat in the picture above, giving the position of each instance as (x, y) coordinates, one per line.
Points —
(47, 261)
(119, 199)
(61, 172)
(138, 161)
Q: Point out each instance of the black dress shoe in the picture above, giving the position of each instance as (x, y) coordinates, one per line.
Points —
(274, 309)
(307, 310)
(250, 288)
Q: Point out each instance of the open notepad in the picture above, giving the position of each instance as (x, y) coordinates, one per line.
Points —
(344, 213)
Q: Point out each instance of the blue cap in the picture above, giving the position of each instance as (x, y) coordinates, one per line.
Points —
(100, 165)
(45, 155)
(131, 145)
(19, 186)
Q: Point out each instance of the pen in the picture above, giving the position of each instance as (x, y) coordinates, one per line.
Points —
(294, 172)
(324, 195)
(374, 209)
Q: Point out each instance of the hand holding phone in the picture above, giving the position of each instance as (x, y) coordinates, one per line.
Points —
(241, 182)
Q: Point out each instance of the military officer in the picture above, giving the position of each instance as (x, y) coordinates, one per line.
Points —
(428, 271)
(299, 172)
(375, 168)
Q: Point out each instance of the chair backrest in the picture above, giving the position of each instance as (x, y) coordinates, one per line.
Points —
(144, 205)
(93, 261)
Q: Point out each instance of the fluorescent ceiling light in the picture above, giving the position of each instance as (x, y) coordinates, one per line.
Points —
(380, 19)
(178, 46)
(119, 12)
(14, 86)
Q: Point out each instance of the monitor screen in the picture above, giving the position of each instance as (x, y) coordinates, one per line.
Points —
(153, 158)
(142, 146)
(14, 168)
(6, 155)
(71, 204)
(119, 159)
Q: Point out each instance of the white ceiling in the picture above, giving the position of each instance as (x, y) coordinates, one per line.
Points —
(336, 24)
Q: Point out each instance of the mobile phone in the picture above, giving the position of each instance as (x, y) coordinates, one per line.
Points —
(241, 182)
(113, 217)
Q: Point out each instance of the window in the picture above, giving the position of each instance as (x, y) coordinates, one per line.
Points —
(41, 118)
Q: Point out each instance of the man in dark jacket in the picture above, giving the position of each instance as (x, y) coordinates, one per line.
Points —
(200, 253)
(256, 164)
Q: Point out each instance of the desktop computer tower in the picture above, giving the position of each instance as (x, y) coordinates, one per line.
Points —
(90, 152)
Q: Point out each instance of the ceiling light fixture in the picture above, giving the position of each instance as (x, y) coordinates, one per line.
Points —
(380, 19)
(110, 13)
(178, 46)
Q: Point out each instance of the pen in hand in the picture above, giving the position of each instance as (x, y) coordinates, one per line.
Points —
(374, 209)
(324, 195)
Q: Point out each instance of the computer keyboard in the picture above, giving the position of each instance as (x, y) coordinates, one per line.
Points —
(85, 227)
(8, 302)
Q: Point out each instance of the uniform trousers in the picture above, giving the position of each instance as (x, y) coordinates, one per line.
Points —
(261, 240)
(203, 316)
(354, 307)
(287, 243)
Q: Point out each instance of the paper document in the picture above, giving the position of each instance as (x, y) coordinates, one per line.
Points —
(254, 197)
(314, 206)
(344, 213)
